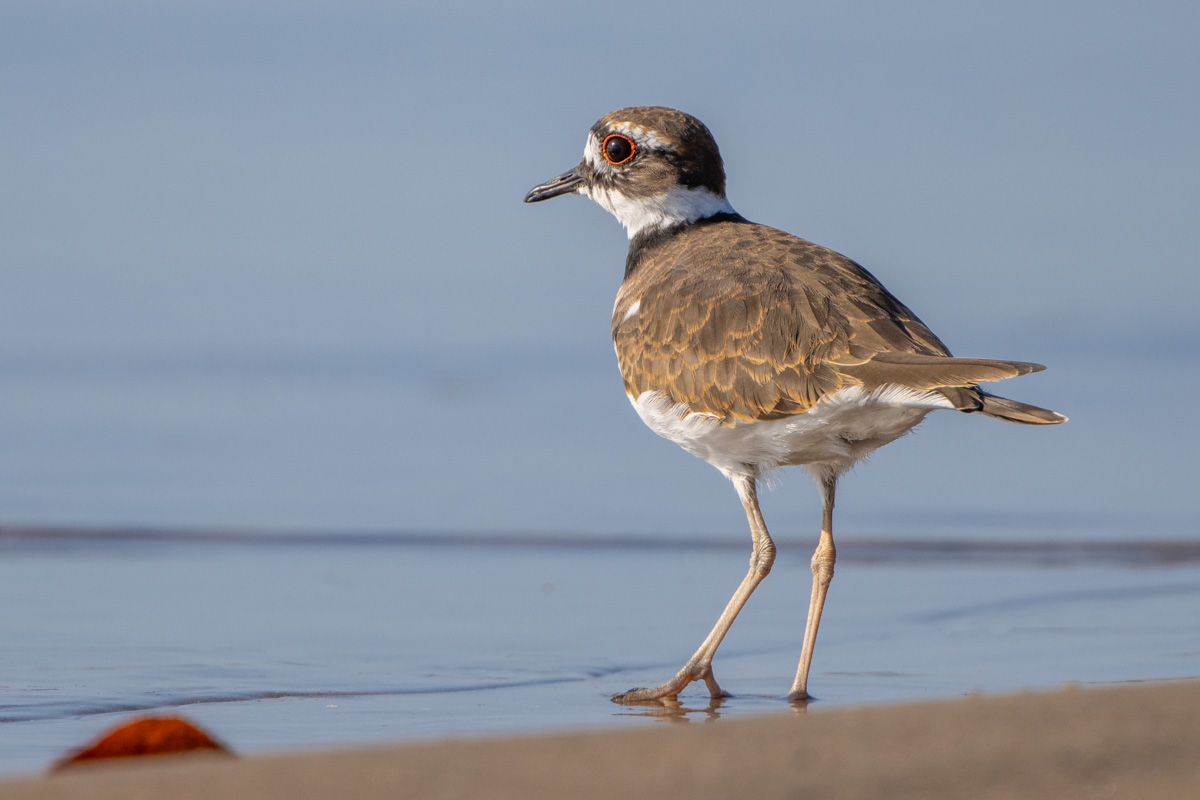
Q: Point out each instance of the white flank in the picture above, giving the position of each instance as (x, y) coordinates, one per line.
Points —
(633, 309)
(828, 439)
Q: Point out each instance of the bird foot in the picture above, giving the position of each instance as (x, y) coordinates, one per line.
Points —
(668, 691)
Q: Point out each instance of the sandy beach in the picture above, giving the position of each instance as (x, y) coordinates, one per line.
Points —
(1128, 742)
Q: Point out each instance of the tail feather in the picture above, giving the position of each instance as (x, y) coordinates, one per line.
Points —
(956, 379)
(1023, 413)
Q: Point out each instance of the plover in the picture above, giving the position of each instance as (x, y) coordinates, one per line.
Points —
(755, 349)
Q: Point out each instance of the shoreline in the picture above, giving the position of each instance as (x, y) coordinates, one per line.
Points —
(856, 548)
(1129, 741)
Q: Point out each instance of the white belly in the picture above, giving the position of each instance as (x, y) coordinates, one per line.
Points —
(827, 439)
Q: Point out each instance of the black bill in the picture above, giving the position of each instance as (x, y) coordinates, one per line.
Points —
(563, 184)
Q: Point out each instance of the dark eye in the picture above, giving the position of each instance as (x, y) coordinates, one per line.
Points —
(618, 149)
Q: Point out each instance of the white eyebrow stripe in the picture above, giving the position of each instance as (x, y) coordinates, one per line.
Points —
(645, 137)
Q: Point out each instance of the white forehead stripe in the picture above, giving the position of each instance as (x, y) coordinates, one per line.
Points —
(591, 152)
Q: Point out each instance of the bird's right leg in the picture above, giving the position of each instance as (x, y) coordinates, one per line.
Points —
(699, 666)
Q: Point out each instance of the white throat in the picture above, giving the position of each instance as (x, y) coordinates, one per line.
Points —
(678, 205)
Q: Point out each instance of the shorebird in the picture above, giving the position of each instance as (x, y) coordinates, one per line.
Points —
(755, 349)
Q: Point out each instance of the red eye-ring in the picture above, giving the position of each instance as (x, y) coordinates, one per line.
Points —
(618, 149)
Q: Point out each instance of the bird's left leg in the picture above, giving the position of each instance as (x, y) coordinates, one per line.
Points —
(822, 569)
(699, 666)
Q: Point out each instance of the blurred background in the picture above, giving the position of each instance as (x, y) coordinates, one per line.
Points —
(264, 265)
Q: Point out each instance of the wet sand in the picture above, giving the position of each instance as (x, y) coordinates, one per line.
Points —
(1129, 742)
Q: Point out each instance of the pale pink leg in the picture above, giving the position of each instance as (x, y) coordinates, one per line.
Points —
(822, 569)
(699, 666)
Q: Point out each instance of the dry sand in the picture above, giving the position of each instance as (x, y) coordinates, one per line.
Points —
(1129, 742)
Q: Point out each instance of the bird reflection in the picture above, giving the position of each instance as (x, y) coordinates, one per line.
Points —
(672, 710)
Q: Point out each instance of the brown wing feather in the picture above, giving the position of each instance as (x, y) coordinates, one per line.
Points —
(924, 372)
(746, 322)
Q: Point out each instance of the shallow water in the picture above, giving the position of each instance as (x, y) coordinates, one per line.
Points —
(283, 642)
